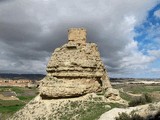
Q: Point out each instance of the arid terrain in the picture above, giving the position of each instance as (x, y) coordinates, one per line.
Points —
(13, 98)
(15, 91)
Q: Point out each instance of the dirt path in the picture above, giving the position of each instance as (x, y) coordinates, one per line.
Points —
(2, 97)
(134, 95)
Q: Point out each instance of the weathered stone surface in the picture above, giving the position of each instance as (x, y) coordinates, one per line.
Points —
(112, 94)
(77, 35)
(60, 109)
(144, 111)
(74, 69)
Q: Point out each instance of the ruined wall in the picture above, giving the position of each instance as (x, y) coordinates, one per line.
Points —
(77, 35)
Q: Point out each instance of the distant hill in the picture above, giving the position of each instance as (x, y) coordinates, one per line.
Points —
(22, 76)
(41, 76)
(132, 79)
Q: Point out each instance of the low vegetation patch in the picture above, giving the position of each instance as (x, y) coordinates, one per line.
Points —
(134, 116)
(26, 98)
(8, 107)
(125, 96)
(140, 100)
(86, 110)
(138, 89)
(140, 94)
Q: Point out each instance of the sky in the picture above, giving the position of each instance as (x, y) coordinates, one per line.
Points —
(127, 33)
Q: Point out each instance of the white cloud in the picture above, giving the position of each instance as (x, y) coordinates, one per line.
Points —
(157, 13)
(155, 53)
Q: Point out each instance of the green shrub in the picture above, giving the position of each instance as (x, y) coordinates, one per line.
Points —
(131, 116)
(140, 101)
(137, 101)
(134, 116)
(125, 96)
(148, 98)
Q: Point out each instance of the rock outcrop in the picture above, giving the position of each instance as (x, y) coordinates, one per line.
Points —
(74, 69)
(75, 73)
(146, 111)
(79, 108)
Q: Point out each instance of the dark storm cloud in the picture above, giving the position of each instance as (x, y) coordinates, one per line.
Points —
(13, 33)
(5, 0)
(31, 29)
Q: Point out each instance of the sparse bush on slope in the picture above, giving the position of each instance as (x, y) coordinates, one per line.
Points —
(134, 116)
(140, 100)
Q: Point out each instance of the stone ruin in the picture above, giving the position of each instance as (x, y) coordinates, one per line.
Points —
(75, 69)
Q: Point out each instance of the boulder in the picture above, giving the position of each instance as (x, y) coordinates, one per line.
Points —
(112, 94)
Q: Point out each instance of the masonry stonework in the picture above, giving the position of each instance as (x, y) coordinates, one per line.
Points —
(77, 35)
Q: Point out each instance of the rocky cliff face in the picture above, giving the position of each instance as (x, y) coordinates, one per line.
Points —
(74, 69)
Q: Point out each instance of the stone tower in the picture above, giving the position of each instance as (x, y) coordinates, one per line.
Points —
(74, 69)
(77, 35)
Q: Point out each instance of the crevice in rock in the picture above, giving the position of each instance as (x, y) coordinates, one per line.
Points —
(45, 97)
